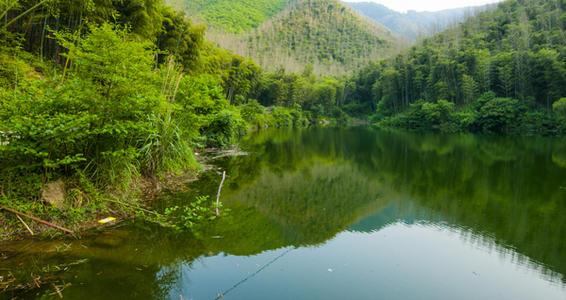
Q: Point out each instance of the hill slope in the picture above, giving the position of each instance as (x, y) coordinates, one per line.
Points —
(231, 15)
(325, 33)
(412, 25)
(516, 52)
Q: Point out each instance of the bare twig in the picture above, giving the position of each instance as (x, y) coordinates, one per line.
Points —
(219, 190)
(36, 219)
(26, 225)
(57, 290)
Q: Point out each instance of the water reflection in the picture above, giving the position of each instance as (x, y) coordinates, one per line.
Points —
(348, 213)
(400, 261)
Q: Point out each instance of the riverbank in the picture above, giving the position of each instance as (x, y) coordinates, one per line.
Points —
(136, 203)
(88, 217)
(129, 205)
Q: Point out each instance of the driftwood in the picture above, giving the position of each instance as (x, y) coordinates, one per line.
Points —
(26, 225)
(36, 219)
(220, 189)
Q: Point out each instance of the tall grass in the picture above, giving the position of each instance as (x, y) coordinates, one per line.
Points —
(166, 149)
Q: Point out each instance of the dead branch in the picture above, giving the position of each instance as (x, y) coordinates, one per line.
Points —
(36, 219)
(219, 190)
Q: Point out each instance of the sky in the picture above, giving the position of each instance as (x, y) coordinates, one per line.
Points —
(426, 5)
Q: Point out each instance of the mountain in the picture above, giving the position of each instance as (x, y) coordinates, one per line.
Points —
(229, 15)
(326, 34)
(413, 25)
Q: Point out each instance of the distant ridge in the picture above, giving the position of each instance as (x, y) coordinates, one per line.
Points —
(414, 25)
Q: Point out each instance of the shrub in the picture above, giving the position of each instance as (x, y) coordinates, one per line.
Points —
(559, 108)
(498, 114)
(96, 121)
(424, 114)
(254, 113)
(282, 117)
(224, 127)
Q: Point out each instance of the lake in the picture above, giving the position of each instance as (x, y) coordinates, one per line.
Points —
(327, 213)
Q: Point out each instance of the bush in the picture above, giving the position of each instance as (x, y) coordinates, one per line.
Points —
(424, 114)
(106, 120)
(559, 108)
(498, 114)
(463, 121)
(340, 116)
(224, 127)
(282, 117)
(538, 121)
(254, 113)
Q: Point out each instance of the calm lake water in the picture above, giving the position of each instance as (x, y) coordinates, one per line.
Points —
(338, 214)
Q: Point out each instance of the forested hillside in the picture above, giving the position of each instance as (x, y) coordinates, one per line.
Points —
(97, 99)
(230, 15)
(414, 25)
(514, 57)
(324, 33)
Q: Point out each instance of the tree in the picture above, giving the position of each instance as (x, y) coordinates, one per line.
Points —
(498, 114)
(559, 108)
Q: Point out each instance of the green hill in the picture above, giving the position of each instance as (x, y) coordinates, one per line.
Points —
(324, 33)
(516, 52)
(230, 15)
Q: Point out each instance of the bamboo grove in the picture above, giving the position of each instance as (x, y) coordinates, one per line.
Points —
(503, 70)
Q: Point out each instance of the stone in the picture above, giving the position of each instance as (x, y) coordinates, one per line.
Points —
(54, 193)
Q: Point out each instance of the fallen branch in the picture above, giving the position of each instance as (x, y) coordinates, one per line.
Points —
(220, 189)
(35, 219)
(26, 225)
(57, 290)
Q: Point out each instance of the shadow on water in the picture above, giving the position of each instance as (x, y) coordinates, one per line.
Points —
(298, 189)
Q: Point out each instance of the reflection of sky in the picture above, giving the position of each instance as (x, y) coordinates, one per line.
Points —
(400, 261)
(430, 5)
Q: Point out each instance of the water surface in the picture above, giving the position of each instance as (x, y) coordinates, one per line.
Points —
(338, 214)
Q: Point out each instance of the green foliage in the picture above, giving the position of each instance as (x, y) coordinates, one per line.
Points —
(323, 33)
(166, 147)
(233, 15)
(498, 114)
(98, 105)
(254, 114)
(225, 127)
(94, 120)
(559, 108)
(515, 51)
(430, 115)
(187, 217)
(182, 39)
(282, 117)
(203, 110)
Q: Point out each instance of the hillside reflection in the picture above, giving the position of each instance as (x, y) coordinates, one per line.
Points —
(298, 189)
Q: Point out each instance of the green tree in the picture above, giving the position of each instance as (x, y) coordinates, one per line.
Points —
(559, 108)
(498, 114)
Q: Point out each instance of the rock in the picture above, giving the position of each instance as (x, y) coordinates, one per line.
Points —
(55, 194)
